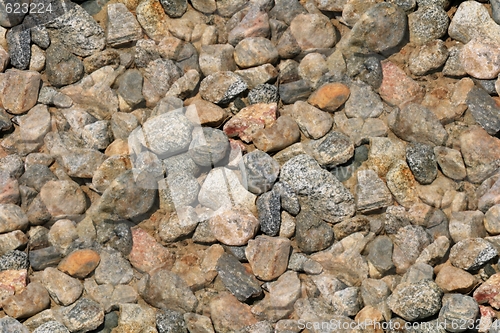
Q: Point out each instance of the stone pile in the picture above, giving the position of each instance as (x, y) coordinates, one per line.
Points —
(249, 166)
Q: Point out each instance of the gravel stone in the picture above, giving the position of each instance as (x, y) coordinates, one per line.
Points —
(236, 279)
(261, 171)
(472, 254)
(427, 23)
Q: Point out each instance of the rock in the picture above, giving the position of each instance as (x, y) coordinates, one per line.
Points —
(452, 279)
(14, 260)
(19, 90)
(228, 314)
(427, 131)
(453, 66)
(414, 301)
(208, 146)
(122, 27)
(178, 225)
(470, 20)
(307, 179)
(311, 233)
(113, 268)
(80, 263)
(9, 18)
(18, 41)
(147, 254)
(216, 58)
(371, 192)
(457, 306)
(467, 224)
(77, 31)
(254, 24)
(52, 326)
(168, 134)
(166, 290)
(427, 23)
(12, 240)
(174, 8)
(159, 75)
(484, 110)
(83, 315)
(198, 323)
(428, 57)
(262, 93)
(29, 302)
(268, 256)
(268, 209)
(289, 199)
(479, 153)
(472, 254)
(312, 68)
(402, 185)
(204, 6)
(386, 20)
(12, 218)
(205, 113)
(479, 59)
(451, 163)
(8, 324)
(43, 258)
(330, 96)
(294, 91)
(177, 191)
(63, 289)
(313, 122)
(130, 87)
(170, 321)
(333, 149)
(487, 292)
(363, 102)
(261, 171)
(250, 120)
(236, 279)
(255, 51)
(234, 227)
(278, 136)
(397, 88)
(351, 226)
(313, 31)
(422, 162)
(222, 87)
(63, 198)
(491, 219)
(409, 242)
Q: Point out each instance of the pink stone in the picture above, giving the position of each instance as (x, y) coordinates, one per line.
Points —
(488, 292)
(13, 280)
(397, 88)
(250, 120)
(147, 254)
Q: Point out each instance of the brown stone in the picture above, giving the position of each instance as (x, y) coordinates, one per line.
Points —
(250, 120)
(268, 256)
(80, 263)
(455, 280)
(205, 113)
(34, 299)
(397, 88)
(147, 254)
(19, 90)
(234, 227)
(330, 96)
(283, 133)
(230, 315)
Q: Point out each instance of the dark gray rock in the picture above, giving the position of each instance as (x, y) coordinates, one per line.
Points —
(363, 102)
(237, 251)
(11, 325)
(36, 176)
(364, 67)
(286, 10)
(113, 268)
(168, 321)
(19, 42)
(268, 209)
(236, 279)
(333, 149)
(14, 260)
(40, 36)
(461, 308)
(311, 233)
(61, 66)
(289, 200)
(263, 93)
(380, 254)
(422, 162)
(261, 171)
(416, 301)
(8, 16)
(121, 239)
(294, 91)
(130, 87)
(208, 146)
(427, 23)
(484, 110)
(43, 258)
(5, 122)
(82, 316)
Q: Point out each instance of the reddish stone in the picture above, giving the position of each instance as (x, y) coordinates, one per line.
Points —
(14, 280)
(80, 263)
(250, 120)
(230, 315)
(330, 96)
(147, 254)
(397, 88)
(488, 292)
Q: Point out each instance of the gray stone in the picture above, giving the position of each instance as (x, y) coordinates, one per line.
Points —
(82, 316)
(174, 8)
(5, 122)
(63, 289)
(294, 91)
(168, 321)
(263, 93)
(208, 146)
(58, 61)
(371, 192)
(159, 75)
(416, 301)
(427, 23)
(179, 189)
(451, 163)
(347, 302)
(216, 58)
(179, 224)
(286, 11)
(472, 254)
(380, 254)
(333, 149)
(236, 279)
(311, 233)
(261, 171)
(325, 195)
(313, 31)
(460, 308)
(43, 258)
(428, 57)
(470, 20)
(363, 102)
(409, 242)
(113, 268)
(122, 27)
(422, 162)
(11, 18)
(18, 41)
(14, 260)
(313, 122)
(130, 87)
(453, 65)
(222, 87)
(373, 292)
(484, 110)
(268, 208)
(466, 224)
(181, 163)
(11, 325)
(51, 327)
(228, 8)
(289, 199)
(12, 218)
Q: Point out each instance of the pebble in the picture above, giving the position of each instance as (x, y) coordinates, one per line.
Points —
(330, 96)
(333, 149)
(380, 28)
(451, 163)
(289, 199)
(80, 263)
(83, 315)
(397, 88)
(363, 102)
(170, 321)
(305, 177)
(254, 24)
(8, 324)
(217, 58)
(466, 224)
(236, 278)
(427, 130)
(249, 120)
(176, 295)
(416, 301)
(261, 171)
(18, 41)
(455, 280)
(312, 31)
(402, 184)
(31, 301)
(312, 68)
(198, 323)
(63, 198)
(371, 192)
(178, 225)
(263, 93)
(268, 256)
(228, 314)
(19, 90)
(268, 209)
(428, 57)
(147, 254)
(62, 288)
(458, 306)
(12, 218)
(484, 110)
(14, 260)
(159, 76)
(208, 146)
(409, 242)
(470, 20)
(130, 87)
(113, 268)
(427, 23)
(422, 162)
(491, 220)
(51, 327)
(255, 51)
(205, 113)
(487, 292)
(222, 87)
(45, 257)
(234, 227)
(312, 234)
(174, 8)
(479, 58)
(283, 133)
(471, 254)
(313, 122)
